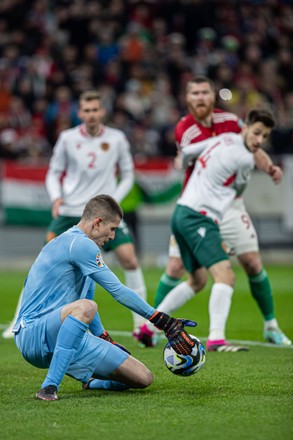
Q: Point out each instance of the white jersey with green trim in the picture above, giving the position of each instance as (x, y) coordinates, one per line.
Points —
(83, 166)
(222, 168)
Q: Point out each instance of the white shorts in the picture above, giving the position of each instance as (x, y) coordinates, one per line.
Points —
(237, 231)
(174, 250)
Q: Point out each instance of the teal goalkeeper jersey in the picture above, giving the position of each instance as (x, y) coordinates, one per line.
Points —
(65, 271)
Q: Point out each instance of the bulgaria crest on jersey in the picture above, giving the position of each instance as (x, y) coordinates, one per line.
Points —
(105, 146)
(99, 260)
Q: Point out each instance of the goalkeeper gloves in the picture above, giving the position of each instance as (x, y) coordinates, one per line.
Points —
(108, 338)
(179, 339)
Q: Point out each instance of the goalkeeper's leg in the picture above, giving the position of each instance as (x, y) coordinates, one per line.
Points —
(130, 374)
(100, 384)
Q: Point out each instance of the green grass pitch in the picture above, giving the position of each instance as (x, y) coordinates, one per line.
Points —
(237, 396)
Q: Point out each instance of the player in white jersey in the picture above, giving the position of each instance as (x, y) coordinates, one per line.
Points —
(203, 122)
(58, 326)
(85, 163)
(221, 171)
(223, 167)
(90, 157)
(209, 193)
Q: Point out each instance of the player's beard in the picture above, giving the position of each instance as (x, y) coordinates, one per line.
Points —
(202, 111)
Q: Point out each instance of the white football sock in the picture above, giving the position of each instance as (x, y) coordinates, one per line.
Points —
(176, 298)
(219, 307)
(7, 334)
(271, 324)
(134, 280)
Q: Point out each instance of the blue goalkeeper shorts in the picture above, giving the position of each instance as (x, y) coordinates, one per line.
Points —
(95, 356)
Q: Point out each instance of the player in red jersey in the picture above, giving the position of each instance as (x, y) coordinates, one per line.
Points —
(237, 230)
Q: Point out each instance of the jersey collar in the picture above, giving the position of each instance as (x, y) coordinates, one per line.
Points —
(83, 131)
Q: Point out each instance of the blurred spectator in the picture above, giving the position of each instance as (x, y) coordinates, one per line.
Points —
(206, 55)
(16, 116)
(176, 61)
(282, 137)
(163, 102)
(245, 96)
(136, 103)
(107, 48)
(38, 117)
(5, 88)
(230, 44)
(8, 144)
(143, 142)
(61, 113)
(132, 44)
(140, 55)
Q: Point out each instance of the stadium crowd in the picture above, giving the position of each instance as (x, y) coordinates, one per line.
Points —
(139, 54)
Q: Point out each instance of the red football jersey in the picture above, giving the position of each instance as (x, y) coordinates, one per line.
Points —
(189, 131)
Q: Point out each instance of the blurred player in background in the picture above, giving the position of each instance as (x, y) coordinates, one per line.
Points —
(57, 310)
(237, 230)
(85, 163)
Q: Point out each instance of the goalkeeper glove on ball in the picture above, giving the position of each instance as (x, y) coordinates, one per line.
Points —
(179, 339)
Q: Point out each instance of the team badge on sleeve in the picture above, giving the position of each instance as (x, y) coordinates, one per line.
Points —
(99, 260)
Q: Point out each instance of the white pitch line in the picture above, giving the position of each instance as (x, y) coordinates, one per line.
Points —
(235, 341)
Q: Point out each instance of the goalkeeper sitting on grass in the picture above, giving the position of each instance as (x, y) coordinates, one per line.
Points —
(57, 310)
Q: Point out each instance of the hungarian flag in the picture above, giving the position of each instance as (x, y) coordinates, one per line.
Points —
(24, 196)
(26, 202)
(158, 180)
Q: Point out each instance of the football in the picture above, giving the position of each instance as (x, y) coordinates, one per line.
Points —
(185, 365)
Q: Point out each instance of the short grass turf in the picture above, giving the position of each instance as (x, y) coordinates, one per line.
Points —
(235, 396)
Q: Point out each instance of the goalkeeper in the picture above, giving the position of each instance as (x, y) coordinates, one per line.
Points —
(58, 326)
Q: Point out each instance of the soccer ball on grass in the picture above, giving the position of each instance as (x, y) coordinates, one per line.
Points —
(185, 365)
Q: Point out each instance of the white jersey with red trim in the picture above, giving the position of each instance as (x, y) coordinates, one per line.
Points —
(83, 166)
(188, 130)
(221, 170)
